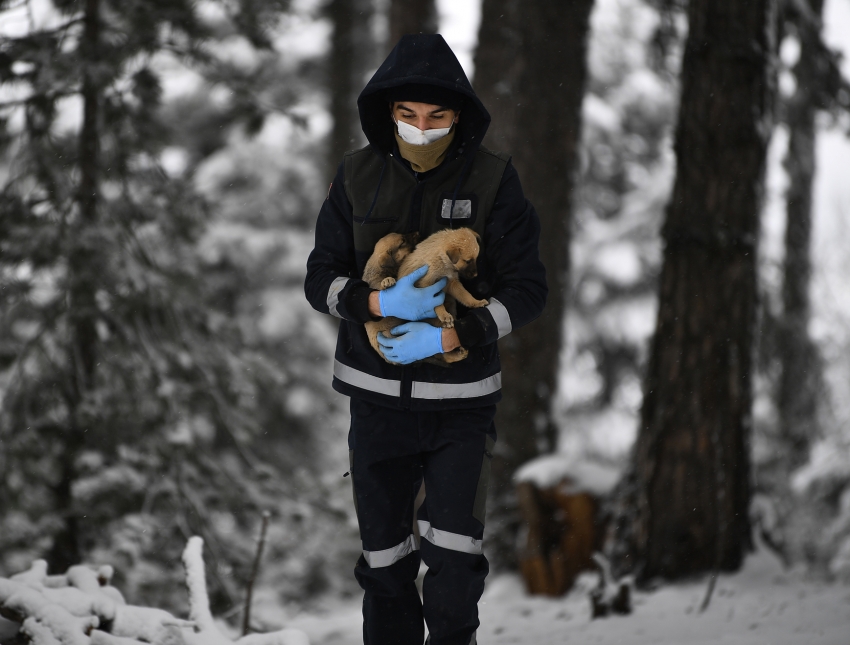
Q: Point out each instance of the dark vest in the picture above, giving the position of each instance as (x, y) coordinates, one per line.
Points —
(405, 204)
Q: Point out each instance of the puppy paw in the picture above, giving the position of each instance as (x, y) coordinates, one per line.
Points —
(386, 283)
(457, 354)
(447, 320)
(479, 303)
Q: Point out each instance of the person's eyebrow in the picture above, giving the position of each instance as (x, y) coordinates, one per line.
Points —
(402, 106)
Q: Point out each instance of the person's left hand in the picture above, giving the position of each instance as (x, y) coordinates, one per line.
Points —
(412, 341)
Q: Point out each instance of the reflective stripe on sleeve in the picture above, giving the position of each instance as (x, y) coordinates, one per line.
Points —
(450, 541)
(489, 385)
(333, 294)
(387, 557)
(366, 381)
(500, 316)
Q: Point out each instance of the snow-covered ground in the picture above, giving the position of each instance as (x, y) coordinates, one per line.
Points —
(760, 605)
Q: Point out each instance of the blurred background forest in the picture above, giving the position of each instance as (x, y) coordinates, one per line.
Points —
(162, 375)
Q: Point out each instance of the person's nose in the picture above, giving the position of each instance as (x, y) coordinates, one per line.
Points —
(422, 123)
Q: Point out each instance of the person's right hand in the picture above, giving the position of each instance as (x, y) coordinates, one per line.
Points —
(408, 302)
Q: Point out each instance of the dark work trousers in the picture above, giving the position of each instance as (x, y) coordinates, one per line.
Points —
(392, 451)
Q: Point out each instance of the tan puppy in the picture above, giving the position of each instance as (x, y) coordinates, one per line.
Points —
(382, 268)
(449, 253)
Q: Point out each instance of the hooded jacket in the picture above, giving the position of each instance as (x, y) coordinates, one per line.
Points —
(375, 192)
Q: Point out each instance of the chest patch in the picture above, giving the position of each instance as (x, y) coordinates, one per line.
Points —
(465, 209)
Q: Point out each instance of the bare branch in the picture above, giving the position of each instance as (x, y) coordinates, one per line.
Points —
(246, 623)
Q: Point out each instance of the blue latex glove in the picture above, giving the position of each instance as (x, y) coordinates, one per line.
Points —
(404, 300)
(413, 341)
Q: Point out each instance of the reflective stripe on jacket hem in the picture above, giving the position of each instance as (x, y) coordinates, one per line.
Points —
(457, 390)
(450, 541)
(333, 294)
(388, 557)
(500, 316)
(420, 389)
(366, 381)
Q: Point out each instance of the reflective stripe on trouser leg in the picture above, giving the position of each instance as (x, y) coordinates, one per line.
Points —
(473, 640)
(388, 557)
(448, 540)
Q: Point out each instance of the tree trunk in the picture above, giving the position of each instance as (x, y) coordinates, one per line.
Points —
(498, 66)
(800, 376)
(352, 54)
(411, 17)
(545, 130)
(83, 272)
(692, 464)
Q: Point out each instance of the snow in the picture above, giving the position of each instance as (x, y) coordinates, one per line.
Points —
(68, 608)
(760, 605)
(581, 476)
(193, 560)
(458, 24)
(619, 263)
(597, 113)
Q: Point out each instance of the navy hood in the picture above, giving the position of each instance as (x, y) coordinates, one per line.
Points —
(421, 59)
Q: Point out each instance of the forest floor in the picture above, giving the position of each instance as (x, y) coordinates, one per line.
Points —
(763, 604)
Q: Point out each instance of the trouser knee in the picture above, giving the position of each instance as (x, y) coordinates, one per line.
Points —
(397, 579)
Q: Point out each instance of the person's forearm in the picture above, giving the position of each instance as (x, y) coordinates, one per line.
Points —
(375, 304)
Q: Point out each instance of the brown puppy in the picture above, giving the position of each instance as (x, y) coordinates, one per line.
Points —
(382, 268)
(449, 253)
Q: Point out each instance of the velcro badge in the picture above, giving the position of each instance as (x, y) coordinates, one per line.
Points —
(462, 209)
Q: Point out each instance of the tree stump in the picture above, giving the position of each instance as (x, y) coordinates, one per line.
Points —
(560, 538)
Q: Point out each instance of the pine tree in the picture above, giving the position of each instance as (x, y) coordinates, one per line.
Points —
(545, 134)
(691, 462)
(351, 57)
(819, 86)
(128, 401)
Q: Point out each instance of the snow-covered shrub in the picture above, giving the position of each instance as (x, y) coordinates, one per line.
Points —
(80, 607)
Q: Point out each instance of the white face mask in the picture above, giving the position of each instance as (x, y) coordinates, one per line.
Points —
(418, 137)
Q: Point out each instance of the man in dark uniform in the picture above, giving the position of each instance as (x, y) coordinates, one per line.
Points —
(423, 170)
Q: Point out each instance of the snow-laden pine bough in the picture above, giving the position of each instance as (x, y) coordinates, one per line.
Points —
(82, 608)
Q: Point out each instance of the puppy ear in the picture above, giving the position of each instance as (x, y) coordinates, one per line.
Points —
(454, 254)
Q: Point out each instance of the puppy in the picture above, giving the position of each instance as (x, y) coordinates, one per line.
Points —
(382, 268)
(449, 253)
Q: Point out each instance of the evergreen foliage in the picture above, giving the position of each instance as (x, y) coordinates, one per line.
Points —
(132, 412)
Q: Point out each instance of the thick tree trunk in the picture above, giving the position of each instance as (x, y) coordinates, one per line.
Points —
(352, 54)
(545, 129)
(411, 17)
(692, 464)
(800, 377)
(83, 271)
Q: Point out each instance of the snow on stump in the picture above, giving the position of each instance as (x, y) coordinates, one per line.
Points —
(559, 501)
(81, 608)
